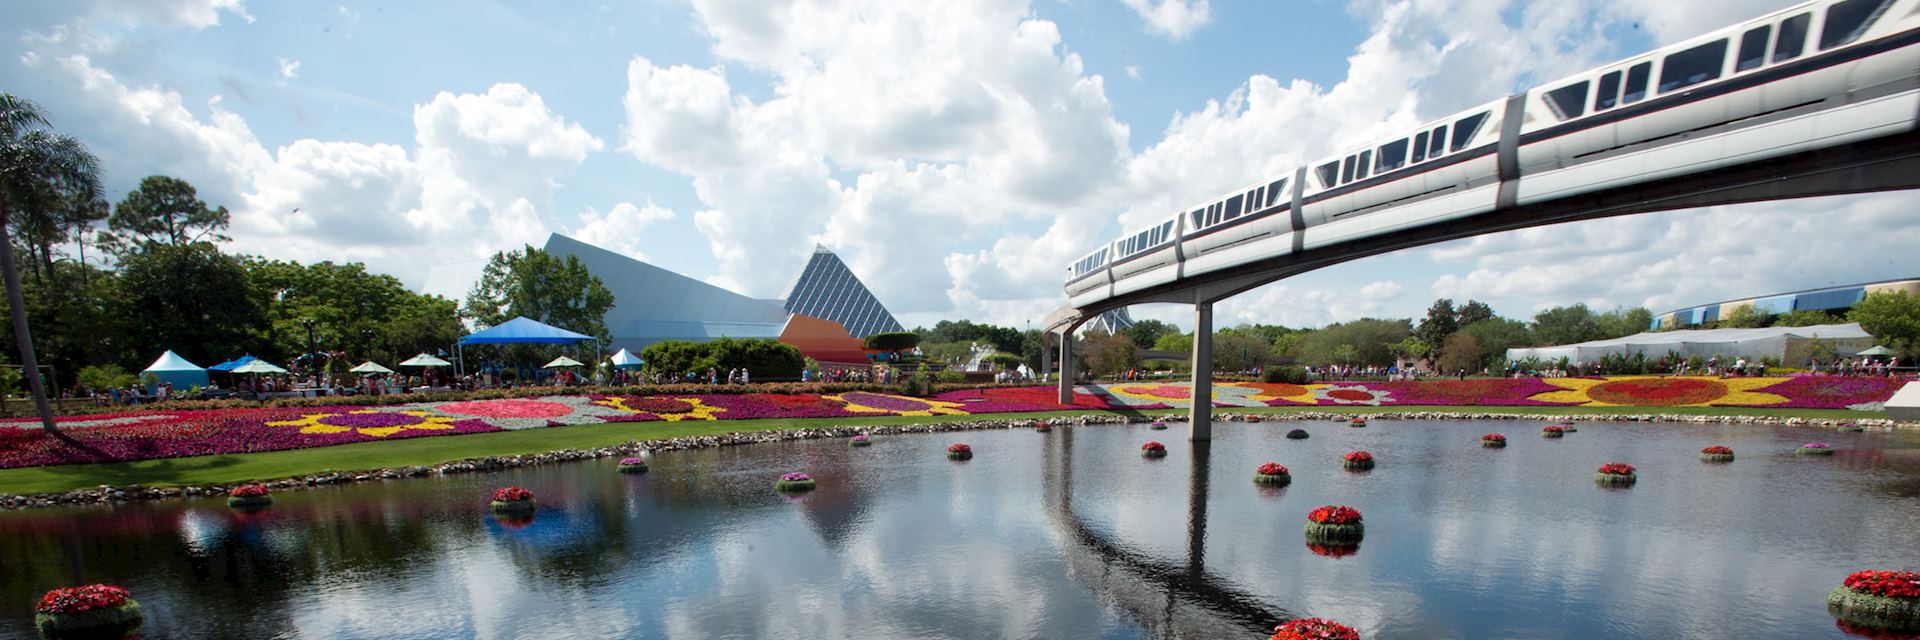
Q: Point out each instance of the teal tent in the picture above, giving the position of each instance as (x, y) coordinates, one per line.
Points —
(625, 360)
(174, 369)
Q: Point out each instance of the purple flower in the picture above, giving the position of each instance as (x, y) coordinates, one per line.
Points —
(860, 438)
(631, 461)
(1816, 445)
(795, 477)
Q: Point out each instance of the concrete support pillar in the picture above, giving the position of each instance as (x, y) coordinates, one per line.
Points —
(1046, 356)
(1200, 421)
(1066, 367)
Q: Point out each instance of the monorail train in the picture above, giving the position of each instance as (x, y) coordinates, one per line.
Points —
(1820, 74)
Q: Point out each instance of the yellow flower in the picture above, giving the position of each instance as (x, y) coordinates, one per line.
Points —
(1650, 391)
(369, 422)
(1265, 391)
(697, 410)
(863, 402)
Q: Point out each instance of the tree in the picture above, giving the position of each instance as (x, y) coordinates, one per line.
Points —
(1804, 318)
(1495, 336)
(1370, 339)
(32, 156)
(1109, 354)
(1565, 325)
(1441, 322)
(1345, 354)
(1460, 353)
(370, 316)
(1240, 350)
(191, 299)
(893, 341)
(948, 352)
(1147, 332)
(1002, 338)
(538, 285)
(1473, 311)
(1180, 342)
(164, 210)
(1006, 361)
(1411, 348)
(1620, 323)
(1744, 317)
(1893, 318)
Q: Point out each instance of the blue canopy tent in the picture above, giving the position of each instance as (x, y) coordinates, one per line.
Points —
(174, 369)
(523, 330)
(626, 360)
(230, 365)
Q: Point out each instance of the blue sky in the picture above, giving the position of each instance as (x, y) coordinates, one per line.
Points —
(957, 155)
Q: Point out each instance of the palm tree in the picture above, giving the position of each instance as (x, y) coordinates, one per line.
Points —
(31, 158)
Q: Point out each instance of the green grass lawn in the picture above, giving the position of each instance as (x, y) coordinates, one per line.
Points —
(228, 469)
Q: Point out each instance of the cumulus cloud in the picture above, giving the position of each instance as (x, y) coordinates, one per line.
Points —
(1133, 71)
(1173, 19)
(620, 228)
(289, 69)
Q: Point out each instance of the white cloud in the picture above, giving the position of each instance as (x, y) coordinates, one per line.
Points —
(1174, 19)
(620, 228)
(1133, 71)
(289, 69)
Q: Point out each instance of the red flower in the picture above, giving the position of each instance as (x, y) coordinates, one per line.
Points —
(1272, 469)
(1554, 428)
(1334, 514)
(1314, 629)
(247, 491)
(1153, 446)
(1358, 456)
(1617, 468)
(511, 494)
(959, 448)
(1718, 450)
(1886, 584)
(71, 600)
(1493, 437)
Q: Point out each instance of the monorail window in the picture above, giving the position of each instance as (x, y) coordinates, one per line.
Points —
(1753, 48)
(1420, 147)
(1255, 198)
(1346, 170)
(1847, 20)
(1393, 155)
(1439, 144)
(1793, 37)
(1213, 214)
(1366, 163)
(1637, 76)
(1693, 66)
(1464, 130)
(1568, 102)
(1329, 174)
(1233, 207)
(1199, 217)
(1273, 191)
(1609, 92)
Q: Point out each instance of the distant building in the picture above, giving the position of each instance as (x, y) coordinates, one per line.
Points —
(828, 290)
(1834, 300)
(1112, 322)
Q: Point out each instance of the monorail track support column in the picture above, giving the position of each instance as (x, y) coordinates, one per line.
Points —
(1200, 420)
(1066, 367)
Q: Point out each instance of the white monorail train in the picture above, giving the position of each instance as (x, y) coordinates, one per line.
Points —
(1820, 74)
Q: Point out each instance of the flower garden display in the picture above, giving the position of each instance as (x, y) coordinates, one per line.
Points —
(1335, 524)
(1615, 474)
(1272, 474)
(1158, 425)
(794, 482)
(1717, 453)
(95, 610)
(512, 500)
(1297, 434)
(1357, 460)
(1153, 450)
(1313, 629)
(860, 441)
(1493, 441)
(1332, 550)
(959, 451)
(249, 496)
(1882, 600)
(1553, 431)
(633, 465)
(1816, 449)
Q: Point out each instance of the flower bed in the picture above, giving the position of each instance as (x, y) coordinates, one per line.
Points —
(1717, 453)
(1153, 450)
(1157, 426)
(959, 451)
(633, 465)
(1297, 434)
(860, 441)
(1553, 431)
(95, 610)
(1272, 474)
(1616, 474)
(249, 496)
(794, 483)
(1314, 629)
(1815, 449)
(512, 500)
(1881, 600)
(1335, 524)
(1493, 441)
(1357, 460)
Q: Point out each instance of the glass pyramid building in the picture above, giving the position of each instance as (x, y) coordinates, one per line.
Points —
(828, 290)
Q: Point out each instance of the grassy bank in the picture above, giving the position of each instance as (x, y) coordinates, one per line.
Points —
(228, 469)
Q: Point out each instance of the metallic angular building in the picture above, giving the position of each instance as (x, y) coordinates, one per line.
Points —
(828, 290)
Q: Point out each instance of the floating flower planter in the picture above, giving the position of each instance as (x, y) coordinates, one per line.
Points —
(1615, 474)
(1314, 629)
(1493, 441)
(1568, 427)
(1849, 427)
(1158, 425)
(512, 500)
(1816, 449)
(1717, 453)
(1357, 422)
(860, 441)
(1333, 550)
(633, 465)
(1297, 434)
(249, 496)
(1272, 474)
(1357, 460)
(795, 482)
(959, 451)
(1042, 426)
(92, 611)
(1553, 431)
(1879, 600)
(1335, 524)
(1153, 450)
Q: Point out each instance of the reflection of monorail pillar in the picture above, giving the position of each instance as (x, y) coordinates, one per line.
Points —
(1200, 423)
(1066, 367)
(1197, 507)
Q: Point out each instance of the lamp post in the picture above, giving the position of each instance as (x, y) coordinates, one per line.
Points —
(308, 323)
(366, 341)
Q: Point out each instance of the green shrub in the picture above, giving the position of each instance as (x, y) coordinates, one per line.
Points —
(764, 359)
(109, 376)
(917, 385)
(893, 341)
(1288, 375)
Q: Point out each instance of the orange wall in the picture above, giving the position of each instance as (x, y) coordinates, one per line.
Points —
(823, 340)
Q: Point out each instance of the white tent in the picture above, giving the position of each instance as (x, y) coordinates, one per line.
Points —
(424, 360)
(1789, 344)
(370, 367)
(563, 361)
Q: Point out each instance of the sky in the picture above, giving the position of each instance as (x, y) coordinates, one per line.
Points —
(958, 155)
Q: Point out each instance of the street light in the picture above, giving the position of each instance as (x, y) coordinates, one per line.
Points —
(308, 323)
